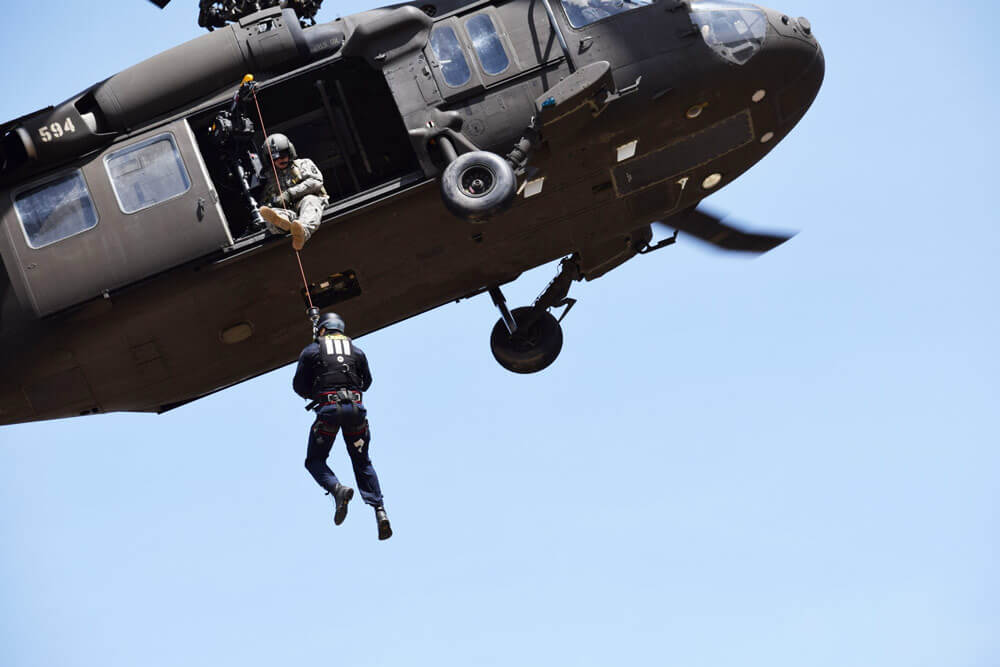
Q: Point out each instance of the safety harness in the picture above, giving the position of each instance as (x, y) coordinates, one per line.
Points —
(338, 396)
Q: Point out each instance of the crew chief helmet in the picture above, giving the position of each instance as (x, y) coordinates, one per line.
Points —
(278, 145)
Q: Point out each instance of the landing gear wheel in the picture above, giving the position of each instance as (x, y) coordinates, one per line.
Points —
(531, 348)
(478, 185)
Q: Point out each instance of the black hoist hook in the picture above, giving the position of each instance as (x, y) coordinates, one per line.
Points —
(313, 314)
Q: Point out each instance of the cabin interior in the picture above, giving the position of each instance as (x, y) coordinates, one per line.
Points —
(342, 116)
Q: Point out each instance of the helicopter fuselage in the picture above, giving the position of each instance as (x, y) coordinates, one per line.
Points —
(163, 291)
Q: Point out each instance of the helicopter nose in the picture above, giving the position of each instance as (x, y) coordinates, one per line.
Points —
(797, 59)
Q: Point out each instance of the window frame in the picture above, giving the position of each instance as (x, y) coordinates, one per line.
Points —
(586, 26)
(699, 12)
(148, 141)
(37, 185)
(447, 89)
(479, 80)
(501, 34)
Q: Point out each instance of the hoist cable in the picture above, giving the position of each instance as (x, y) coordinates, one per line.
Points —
(281, 194)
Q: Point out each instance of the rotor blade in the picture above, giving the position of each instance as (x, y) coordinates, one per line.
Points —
(710, 228)
(160, 3)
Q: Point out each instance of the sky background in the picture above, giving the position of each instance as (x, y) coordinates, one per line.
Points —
(784, 461)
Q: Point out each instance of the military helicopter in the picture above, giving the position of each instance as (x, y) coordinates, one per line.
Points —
(463, 142)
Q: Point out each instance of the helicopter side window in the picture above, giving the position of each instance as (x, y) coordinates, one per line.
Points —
(147, 173)
(56, 210)
(487, 44)
(734, 30)
(448, 51)
(585, 12)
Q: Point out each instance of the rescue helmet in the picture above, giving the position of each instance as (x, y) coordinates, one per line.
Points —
(279, 146)
(331, 322)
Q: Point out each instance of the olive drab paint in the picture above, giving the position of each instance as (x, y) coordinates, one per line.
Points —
(127, 242)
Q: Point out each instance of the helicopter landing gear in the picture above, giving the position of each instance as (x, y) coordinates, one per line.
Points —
(530, 348)
(477, 185)
(529, 339)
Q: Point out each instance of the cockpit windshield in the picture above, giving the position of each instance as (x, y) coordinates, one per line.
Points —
(585, 12)
(734, 30)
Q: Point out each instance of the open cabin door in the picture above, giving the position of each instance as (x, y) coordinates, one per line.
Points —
(143, 206)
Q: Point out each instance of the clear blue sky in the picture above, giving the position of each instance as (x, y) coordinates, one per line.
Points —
(780, 462)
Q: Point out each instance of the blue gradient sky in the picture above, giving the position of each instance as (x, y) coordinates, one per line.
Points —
(785, 461)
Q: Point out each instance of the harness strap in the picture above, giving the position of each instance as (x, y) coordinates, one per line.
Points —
(352, 434)
(339, 396)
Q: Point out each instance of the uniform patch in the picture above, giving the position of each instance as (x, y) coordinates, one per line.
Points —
(360, 444)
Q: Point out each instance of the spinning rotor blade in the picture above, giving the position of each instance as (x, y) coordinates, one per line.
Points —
(710, 228)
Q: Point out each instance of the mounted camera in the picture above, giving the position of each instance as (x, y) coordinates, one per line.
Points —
(231, 133)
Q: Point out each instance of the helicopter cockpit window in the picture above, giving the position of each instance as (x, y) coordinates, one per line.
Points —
(734, 30)
(487, 44)
(449, 54)
(147, 173)
(55, 211)
(585, 12)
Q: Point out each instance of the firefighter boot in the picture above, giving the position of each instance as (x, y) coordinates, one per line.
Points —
(384, 527)
(342, 495)
(275, 218)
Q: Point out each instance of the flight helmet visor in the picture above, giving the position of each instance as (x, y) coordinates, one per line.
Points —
(279, 146)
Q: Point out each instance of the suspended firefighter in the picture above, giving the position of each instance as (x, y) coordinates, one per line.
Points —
(332, 372)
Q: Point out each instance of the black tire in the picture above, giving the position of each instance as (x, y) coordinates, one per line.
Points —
(530, 349)
(478, 185)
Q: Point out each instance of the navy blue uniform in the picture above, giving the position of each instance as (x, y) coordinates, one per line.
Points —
(331, 364)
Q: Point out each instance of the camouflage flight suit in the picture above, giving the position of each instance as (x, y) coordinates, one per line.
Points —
(304, 195)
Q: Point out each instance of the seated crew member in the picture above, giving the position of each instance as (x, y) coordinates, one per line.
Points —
(333, 372)
(297, 206)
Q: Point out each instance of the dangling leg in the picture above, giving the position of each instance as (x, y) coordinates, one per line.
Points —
(358, 437)
(321, 439)
(310, 215)
(278, 219)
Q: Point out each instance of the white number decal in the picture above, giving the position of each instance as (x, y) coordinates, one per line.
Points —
(56, 130)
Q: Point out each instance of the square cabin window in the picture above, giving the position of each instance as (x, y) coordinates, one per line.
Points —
(55, 211)
(487, 44)
(448, 51)
(147, 173)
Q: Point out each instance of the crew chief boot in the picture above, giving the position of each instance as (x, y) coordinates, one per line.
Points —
(298, 234)
(342, 495)
(384, 527)
(272, 216)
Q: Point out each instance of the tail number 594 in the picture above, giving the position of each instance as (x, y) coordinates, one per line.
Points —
(56, 130)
